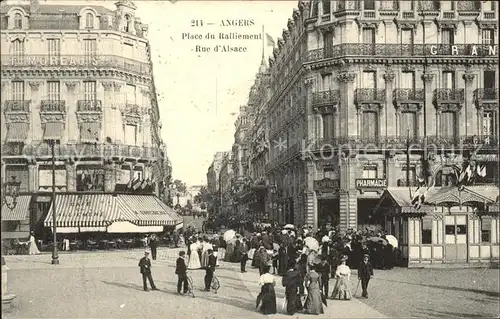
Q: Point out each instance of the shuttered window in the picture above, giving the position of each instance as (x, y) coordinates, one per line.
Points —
(89, 21)
(18, 90)
(18, 48)
(54, 90)
(89, 48)
(447, 35)
(370, 125)
(448, 79)
(89, 88)
(368, 35)
(54, 46)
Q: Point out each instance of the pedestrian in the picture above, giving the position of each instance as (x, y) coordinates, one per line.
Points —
(291, 282)
(244, 257)
(209, 271)
(267, 294)
(275, 261)
(365, 272)
(175, 237)
(180, 271)
(342, 290)
(313, 304)
(153, 244)
(145, 265)
(324, 271)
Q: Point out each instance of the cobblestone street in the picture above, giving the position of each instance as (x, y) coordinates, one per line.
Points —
(108, 285)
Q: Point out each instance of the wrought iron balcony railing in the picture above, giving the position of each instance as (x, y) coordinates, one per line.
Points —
(402, 182)
(393, 50)
(483, 94)
(109, 151)
(89, 106)
(53, 106)
(326, 97)
(489, 15)
(409, 95)
(17, 106)
(369, 95)
(449, 95)
(97, 61)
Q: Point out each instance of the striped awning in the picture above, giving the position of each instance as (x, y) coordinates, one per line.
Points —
(89, 132)
(20, 212)
(53, 131)
(17, 132)
(93, 210)
(147, 211)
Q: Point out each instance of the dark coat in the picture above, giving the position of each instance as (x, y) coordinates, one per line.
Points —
(211, 262)
(365, 270)
(145, 265)
(153, 243)
(291, 282)
(180, 266)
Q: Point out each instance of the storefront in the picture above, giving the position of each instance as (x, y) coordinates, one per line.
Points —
(16, 221)
(90, 213)
(452, 227)
(327, 199)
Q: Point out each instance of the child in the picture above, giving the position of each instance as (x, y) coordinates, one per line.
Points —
(275, 261)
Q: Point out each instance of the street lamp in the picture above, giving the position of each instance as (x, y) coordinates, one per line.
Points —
(55, 257)
(10, 189)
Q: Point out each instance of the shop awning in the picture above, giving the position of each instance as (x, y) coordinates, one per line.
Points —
(148, 211)
(17, 132)
(89, 132)
(53, 131)
(86, 210)
(20, 212)
(471, 194)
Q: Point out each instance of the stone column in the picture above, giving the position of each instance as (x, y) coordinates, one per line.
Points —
(392, 171)
(108, 119)
(347, 111)
(119, 100)
(311, 131)
(387, 115)
(32, 177)
(109, 178)
(311, 212)
(428, 107)
(36, 124)
(469, 107)
(3, 172)
(71, 177)
(71, 109)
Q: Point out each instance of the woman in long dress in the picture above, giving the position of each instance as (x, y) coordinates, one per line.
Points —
(33, 248)
(313, 304)
(291, 282)
(206, 245)
(342, 291)
(194, 258)
(267, 294)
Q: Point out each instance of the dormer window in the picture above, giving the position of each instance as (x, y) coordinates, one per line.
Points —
(127, 23)
(89, 21)
(18, 21)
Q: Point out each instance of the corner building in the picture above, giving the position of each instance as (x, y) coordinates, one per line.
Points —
(82, 76)
(353, 81)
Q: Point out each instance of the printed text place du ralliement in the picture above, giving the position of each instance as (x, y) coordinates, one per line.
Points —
(221, 36)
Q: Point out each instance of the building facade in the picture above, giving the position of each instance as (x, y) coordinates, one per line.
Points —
(78, 77)
(226, 193)
(353, 84)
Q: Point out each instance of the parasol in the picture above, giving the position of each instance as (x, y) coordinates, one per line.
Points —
(312, 243)
(377, 239)
(392, 240)
(289, 227)
(276, 246)
(230, 234)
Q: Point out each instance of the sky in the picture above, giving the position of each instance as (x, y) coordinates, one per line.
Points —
(196, 121)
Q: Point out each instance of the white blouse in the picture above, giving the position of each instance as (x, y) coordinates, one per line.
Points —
(343, 270)
(267, 279)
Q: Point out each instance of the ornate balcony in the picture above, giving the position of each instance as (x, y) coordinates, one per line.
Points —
(398, 50)
(62, 62)
(408, 95)
(370, 96)
(53, 106)
(17, 106)
(89, 106)
(326, 98)
(483, 94)
(449, 96)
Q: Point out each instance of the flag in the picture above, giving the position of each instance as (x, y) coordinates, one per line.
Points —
(481, 170)
(136, 183)
(144, 184)
(419, 197)
(270, 40)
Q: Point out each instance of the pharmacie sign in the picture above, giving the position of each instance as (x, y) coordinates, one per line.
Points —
(371, 183)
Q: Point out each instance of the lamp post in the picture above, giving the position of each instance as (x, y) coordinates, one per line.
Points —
(10, 189)
(55, 257)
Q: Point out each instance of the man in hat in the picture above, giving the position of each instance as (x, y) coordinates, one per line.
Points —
(145, 265)
(365, 272)
(209, 271)
(180, 271)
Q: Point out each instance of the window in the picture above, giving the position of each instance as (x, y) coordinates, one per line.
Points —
(488, 38)
(131, 134)
(426, 231)
(369, 4)
(369, 35)
(326, 80)
(18, 48)
(54, 90)
(408, 124)
(326, 6)
(370, 171)
(369, 80)
(408, 80)
(448, 35)
(448, 124)
(328, 126)
(18, 21)
(490, 124)
(407, 39)
(54, 50)
(448, 79)
(21, 173)
(406, 5)
(127, 23)
(18, 90)
(447, 5)
(90, 90)
(486, 229)
(328, 42)
(90, 48)
(130, 91)
(89, 21)
(370, 125)
(489, 80)
(91, 179)
(411, 176)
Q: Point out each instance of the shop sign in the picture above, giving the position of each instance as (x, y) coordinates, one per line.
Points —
(326, 185)
(371, 183)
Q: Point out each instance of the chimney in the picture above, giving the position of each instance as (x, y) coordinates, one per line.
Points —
(34, 5)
